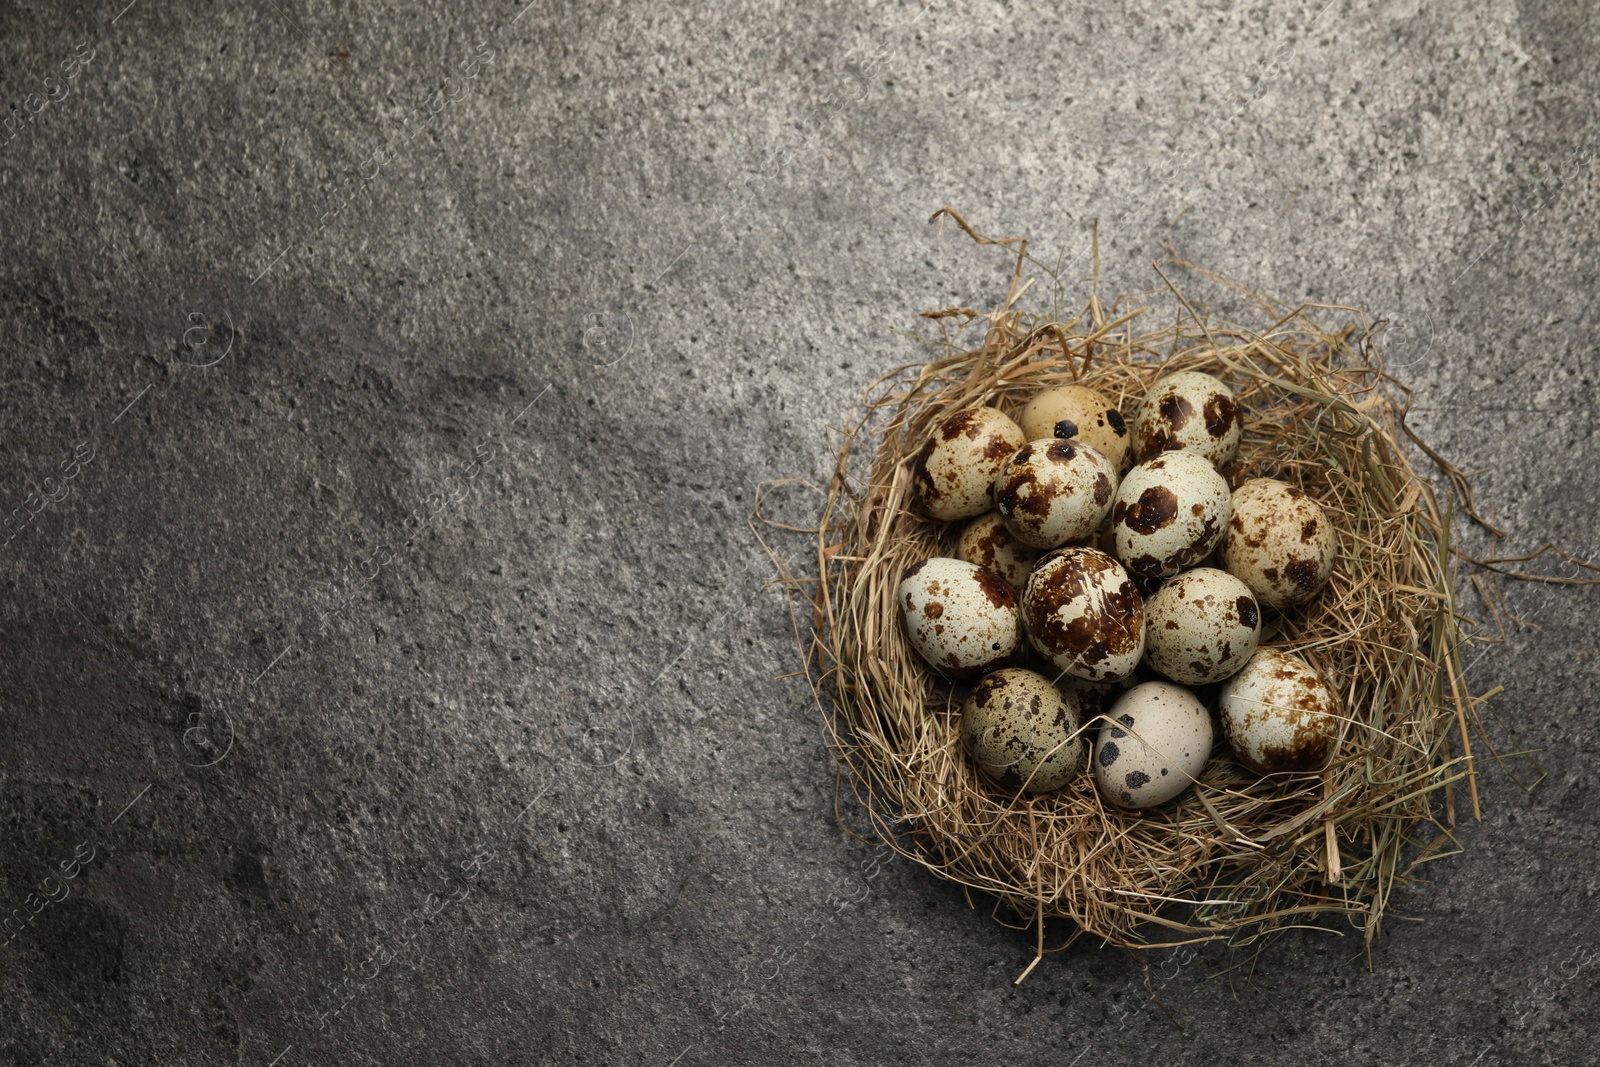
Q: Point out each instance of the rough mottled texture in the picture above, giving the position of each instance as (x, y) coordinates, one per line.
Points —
(1279, 541)
(954, 473)
(1083, 613)
(1201, 626)
(1278, 714)
(961, 619)
(986, 542)
(1022, 732)
(1190, 411)
(1170, 512)
(390, 614)
(1054, 493)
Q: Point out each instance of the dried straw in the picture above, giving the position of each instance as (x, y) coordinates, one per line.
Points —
(1239, 856)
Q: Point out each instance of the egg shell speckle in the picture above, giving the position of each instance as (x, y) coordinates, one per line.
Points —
(1053, 491)
(1279, 715)
(1192, 412)
(1169, 513)
(953, 475)
(961, 619)
(1280, 542)
(1084, 615)
(1154, 747)
(1021, 731)
(1096, 421)
(1096, 698)
(1201, 626)
(986, 542)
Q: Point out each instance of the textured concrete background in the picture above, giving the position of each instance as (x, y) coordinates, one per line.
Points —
(389, 674)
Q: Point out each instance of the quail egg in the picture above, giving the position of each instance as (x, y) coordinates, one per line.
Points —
(1022, 732)
(1192, 412)
(986, 542)
(1169, 513)
(1083, 614)
(1278, 714)
(953, 475)
(1083, 414)
(1201, 626)
(1096, 698)
(1053, 491)
(1279, 542)
(1154, 747)
(961, 618)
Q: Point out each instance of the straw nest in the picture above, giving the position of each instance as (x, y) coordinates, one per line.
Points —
(1239, 856)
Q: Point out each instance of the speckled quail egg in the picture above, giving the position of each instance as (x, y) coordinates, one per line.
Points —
(961, 618)
(1279, 542)
(1192, 412)
(1088, 416)
(1096, 698)
(1169, 513)
(1278, 714)
(1022, 732)
(953, 475)
(1053, 491)
(986, 542)
(1154, 747)
(1082, 612)
(1201, 626)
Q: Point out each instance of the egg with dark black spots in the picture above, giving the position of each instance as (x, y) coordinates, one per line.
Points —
(1081, 413)
(1169, 513)
(1053, 491)
(953, 475)
(961, 619)
(1201, 626)
(1154, 746)
(986, 542)
(1082, 613)
(1022, 732)
(1280, 542)
(1279, 715)
(1192, 412)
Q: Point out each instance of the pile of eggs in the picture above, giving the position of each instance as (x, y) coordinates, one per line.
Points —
(1107, 552)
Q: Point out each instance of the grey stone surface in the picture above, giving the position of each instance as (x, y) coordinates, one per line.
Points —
(395, 671)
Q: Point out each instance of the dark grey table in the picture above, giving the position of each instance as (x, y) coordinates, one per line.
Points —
(387, 669)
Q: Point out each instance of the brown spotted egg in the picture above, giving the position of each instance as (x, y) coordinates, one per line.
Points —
(1201, 626)
(1053, 491)
(1192, 412)
(1083, 614)
(1169, 513)
(961, 619)
(1154, 746)
(1279, 715)
(1076, 411)
(1280, 542)
(986, 542)
(1022, 732)
(953, 475)
(1096, 698)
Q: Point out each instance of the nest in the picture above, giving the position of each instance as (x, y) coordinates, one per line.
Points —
(1239, 856)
